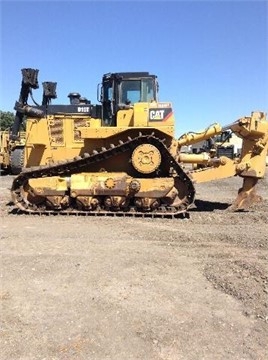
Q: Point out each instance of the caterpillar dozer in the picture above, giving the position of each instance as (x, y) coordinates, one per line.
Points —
(120, 157)
(11, 152)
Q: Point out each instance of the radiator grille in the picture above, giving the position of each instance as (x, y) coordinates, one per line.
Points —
(227, 151)
(56, 131)
(77, 123)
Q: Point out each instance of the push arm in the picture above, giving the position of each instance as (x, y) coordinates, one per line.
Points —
(251, 165)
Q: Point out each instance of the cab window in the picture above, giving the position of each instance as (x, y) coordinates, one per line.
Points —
(133, 91)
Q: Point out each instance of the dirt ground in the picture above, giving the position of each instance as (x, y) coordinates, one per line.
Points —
(123, 288)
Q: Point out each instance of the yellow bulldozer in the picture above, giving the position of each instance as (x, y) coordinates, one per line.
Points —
(11, 152)
(120, 157)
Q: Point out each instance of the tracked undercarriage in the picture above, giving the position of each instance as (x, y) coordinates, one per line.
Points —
(160, 186)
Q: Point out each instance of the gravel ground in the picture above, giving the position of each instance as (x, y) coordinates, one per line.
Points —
(114, 288)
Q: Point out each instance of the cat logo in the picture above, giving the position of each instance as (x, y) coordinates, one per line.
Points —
(156, 114)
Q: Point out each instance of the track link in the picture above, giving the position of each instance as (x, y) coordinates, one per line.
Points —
(79, 164)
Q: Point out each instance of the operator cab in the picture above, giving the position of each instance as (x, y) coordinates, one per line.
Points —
(122, 90)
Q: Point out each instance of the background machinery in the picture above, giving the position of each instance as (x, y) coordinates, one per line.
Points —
(120, 157)
(11, 152)
(12, 140)
(225, 144)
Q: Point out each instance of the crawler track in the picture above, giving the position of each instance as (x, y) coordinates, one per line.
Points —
(79, 164)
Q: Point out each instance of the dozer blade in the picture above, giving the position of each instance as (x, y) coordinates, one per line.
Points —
(246, 195)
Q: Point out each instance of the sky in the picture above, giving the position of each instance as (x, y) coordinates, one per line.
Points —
(211, 57)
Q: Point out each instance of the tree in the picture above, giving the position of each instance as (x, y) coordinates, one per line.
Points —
(6, 119)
